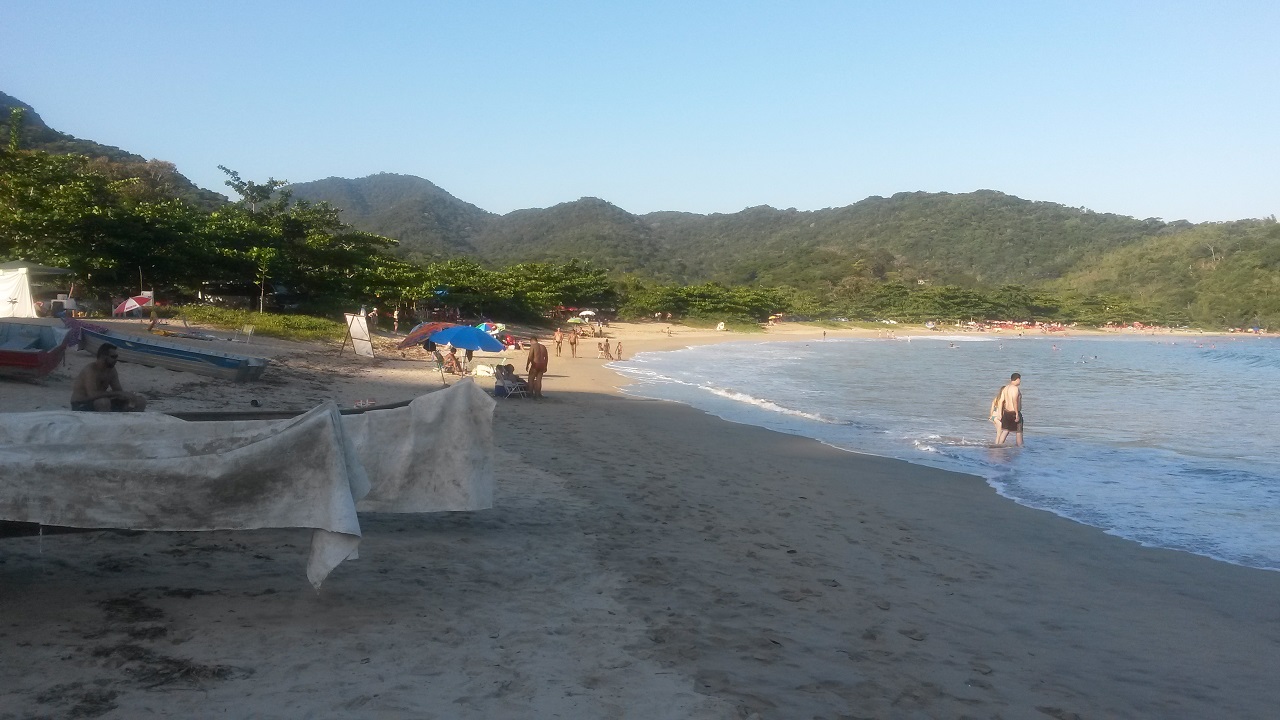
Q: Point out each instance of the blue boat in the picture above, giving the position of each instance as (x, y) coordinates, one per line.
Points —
(174, 356)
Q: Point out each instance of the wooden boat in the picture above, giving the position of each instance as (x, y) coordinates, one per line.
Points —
(30, 350)
(153, 352)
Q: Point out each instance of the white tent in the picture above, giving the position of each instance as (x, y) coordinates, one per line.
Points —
(15, 294)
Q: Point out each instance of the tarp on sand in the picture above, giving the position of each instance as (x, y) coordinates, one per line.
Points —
(149, 471)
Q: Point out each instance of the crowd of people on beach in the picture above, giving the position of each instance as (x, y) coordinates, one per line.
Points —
(536, 359)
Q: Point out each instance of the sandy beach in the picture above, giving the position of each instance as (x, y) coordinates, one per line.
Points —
(642, 560)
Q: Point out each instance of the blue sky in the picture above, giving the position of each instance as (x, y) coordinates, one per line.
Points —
(1150, 109)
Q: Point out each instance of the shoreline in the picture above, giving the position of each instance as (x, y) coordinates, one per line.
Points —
(643, 559)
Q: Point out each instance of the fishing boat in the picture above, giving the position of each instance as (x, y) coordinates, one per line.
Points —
(174, 356)
(30, 350)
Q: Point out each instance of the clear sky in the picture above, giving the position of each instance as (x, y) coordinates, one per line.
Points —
(1152, 109)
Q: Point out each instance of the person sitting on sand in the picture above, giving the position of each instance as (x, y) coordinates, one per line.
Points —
(97, 387)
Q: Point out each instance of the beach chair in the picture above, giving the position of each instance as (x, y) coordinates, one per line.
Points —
(599, 350)
(438, 360)
(245, 332)
(507, 388)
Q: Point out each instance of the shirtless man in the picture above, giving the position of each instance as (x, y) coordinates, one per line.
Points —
(1011, 419)
(573, 344)
(559, 338)
(536, 365)
(97, 387)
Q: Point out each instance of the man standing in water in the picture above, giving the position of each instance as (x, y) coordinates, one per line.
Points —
(1010, 405)
(536, 365)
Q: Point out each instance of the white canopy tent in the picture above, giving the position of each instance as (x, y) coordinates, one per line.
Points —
(15, 294)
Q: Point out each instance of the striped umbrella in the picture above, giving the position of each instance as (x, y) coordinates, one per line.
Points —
(421, 332)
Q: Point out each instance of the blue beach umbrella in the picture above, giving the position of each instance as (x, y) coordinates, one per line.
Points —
(467, 338)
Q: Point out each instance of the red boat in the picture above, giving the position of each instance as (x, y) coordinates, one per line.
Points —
(30, 350)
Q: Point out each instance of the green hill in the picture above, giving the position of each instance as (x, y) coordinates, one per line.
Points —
(1212, 273)
(430, 223)
(1218, 273)
(978, 238)
(156, 177)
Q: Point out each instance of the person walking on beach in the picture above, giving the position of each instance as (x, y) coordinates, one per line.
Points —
(1011, 419)
(559, 338)
(573, 344)
(536, 365)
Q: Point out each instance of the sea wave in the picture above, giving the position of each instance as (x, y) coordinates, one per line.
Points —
(949, 338)
(769, 405)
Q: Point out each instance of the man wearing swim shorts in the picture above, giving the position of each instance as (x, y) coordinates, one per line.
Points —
(536, 365)
(1011, 419)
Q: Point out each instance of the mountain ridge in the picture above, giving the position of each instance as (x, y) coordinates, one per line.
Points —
(975, 239)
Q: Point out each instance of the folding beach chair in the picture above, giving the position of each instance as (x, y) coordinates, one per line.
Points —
(507, 389)
(246, 332)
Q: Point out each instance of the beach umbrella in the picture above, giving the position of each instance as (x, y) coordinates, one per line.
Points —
(487, 327)
(421, 332)
(586, 313)
(133, 303)
(467, 338)
(576, 320)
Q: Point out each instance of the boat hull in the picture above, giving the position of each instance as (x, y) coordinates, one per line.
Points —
(174, 356)
(31, 352)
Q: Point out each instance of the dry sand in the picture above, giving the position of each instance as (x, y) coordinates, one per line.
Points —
(643, 560)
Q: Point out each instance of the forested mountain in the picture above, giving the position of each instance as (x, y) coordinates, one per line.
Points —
(588, 229)
(1224, 273)
(983, 237)
(1221, 271)
(430, 223)
(869, 255)
(157, 178)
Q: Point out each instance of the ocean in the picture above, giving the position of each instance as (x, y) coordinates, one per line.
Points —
(1169, 441)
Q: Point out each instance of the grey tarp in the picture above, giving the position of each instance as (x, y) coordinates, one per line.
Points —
(149, 471)
(434, 455)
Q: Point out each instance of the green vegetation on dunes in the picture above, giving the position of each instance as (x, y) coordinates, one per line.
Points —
(289, 327)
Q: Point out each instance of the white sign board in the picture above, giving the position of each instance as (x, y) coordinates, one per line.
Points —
(358, 331)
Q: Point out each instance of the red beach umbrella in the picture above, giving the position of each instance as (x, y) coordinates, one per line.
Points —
(133, 303)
